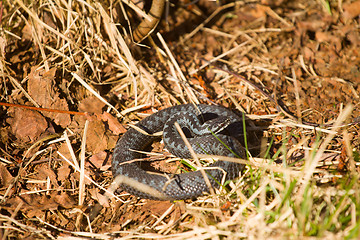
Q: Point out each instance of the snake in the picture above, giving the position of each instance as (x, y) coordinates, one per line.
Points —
(147, 26)
(210, 129)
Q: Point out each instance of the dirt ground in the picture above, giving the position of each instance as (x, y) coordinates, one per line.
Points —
(293, 67)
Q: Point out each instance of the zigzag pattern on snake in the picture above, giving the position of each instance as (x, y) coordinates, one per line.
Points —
(191, 118)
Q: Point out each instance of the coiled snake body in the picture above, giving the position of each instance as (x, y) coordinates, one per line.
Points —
(199, 122)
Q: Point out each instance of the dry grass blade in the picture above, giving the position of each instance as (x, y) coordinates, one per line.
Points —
(231, 51)
(157, 134)
(82, 166)
(255, 162)
(302, 182)
(198, 28)
(87, 86)
(121, 179)
(132, 109)
(115, 39)
(89, 178)
(24, 227)
(39, 21)
(71, 150)
(311, 165)
(5, 235)
(188, 90)
(163, 216)
(137, 9)
(193, 154)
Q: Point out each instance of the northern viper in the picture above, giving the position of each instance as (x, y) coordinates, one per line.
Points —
(195, 120)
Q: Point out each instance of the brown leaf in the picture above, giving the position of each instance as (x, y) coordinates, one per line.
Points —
(27, 125)
(61, 119)
(323, 36)
(41, 89)
(44, 172)
(35, 204)
(64, 150)
(314, 25)
(91, 104)
(114, 125)
(63, 172)
(26, 32)
(98, 160)
(308, 53)
(5, 176)
(40, 86)
(157, 208)
(102, 199)
(96, 138)
(351, 10)
(63, 200)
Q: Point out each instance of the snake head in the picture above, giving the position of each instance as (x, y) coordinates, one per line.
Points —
(218, 124)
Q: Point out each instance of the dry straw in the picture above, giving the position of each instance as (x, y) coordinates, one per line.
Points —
(94, 55)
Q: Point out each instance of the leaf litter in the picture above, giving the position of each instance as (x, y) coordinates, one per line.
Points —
(301, 52)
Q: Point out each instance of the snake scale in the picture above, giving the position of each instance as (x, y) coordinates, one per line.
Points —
(199, 122)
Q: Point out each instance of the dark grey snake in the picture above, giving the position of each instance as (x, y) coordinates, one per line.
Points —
(199, 122)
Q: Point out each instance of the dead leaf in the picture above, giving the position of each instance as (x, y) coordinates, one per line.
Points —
(64, 150)
(329, 38)
(76, 176)
(308, 53)
(5, 176)
(91, 104)
(96, 138)
(114, 125)
(27, 125)
(103, 200)
(314, 25)
(35, 206)
(63, 172)
(26, 32)
(64, 200)
(44, 172)
(251, 13)
(98, 160)
(351, 10)
(323, 36)
(157, 207)
(42, 89)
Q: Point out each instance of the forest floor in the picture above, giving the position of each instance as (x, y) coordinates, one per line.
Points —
(293, 67)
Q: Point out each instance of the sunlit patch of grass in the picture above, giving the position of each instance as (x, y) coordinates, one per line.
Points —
(326, 6)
